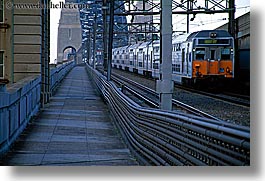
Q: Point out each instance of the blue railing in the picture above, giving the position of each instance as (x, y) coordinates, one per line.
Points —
(21, 101)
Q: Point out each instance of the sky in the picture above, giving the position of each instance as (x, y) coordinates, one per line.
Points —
(54, 20)
(179, 22)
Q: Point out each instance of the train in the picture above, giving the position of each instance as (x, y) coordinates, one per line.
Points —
(199, 56)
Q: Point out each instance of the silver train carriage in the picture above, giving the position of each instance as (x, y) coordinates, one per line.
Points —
(206, 54)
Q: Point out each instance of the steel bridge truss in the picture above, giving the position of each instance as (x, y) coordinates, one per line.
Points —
(190, 8)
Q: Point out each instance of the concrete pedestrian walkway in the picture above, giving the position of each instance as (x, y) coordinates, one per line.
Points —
(75, 129)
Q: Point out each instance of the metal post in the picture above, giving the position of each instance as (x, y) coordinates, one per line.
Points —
(105, 42)
(110, 39)
(188, 17)
(94, 40)
(231, 26)
(88, 47)
(165, 85)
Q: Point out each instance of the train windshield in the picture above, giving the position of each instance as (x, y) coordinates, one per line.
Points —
(225, 53)
(200, 54)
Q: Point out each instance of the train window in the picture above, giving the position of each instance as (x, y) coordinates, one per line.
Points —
(183, 54)
(155, 65)
(175, 67)
(140, 64)
(178, 47)
(131, 62)
(156, 49)
(174, 48)
(225, 54)
(1, 11)
(200, 54)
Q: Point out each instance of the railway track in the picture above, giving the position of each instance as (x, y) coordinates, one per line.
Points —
(228, 97)
(150, 97)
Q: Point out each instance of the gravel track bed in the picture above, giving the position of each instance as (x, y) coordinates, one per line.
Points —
(228, 112)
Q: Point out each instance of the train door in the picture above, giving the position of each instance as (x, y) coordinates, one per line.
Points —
(151, 60)
(190, 64)
(183, 60)
(213, 62)
(143, 59)
(187, 61)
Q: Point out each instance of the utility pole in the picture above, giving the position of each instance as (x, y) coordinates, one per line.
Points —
(165, 84)
(111, 23)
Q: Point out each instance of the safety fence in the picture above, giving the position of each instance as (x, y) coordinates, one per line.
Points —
(158, 137)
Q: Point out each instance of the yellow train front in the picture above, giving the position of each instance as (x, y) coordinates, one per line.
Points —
(206, 55)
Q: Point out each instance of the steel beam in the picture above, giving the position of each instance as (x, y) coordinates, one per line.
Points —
(94, 41)
(110, 39)
(105, 35)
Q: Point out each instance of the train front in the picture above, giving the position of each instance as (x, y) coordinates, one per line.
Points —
(213, 55)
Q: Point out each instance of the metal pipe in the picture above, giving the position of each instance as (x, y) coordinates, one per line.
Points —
(164, 137)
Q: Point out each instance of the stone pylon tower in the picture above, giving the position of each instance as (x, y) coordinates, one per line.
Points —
(69, 32)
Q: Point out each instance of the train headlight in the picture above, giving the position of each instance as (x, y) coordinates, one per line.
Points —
(213, 34)
(228, 70)
(197, 65)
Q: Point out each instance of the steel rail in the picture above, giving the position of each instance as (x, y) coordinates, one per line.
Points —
(242, 103)
(175, 102)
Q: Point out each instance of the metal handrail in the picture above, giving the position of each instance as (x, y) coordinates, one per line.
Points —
(160, 137)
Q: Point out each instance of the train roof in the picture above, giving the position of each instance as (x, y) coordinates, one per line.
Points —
(144, 44)
(180, 38)
(206, 34)
(200, 34)
(156, 42)
(134, 46)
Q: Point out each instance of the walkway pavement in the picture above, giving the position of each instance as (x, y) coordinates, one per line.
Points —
(75, 129)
